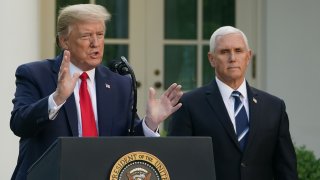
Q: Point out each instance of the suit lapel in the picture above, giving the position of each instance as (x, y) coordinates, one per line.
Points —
(71, 111)
(216, 102)
(254, 116)
(105, 100)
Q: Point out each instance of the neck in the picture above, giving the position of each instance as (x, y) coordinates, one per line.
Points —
(234, 84)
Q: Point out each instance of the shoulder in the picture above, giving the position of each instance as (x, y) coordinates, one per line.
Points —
(267, 98)
(41, 66)
(265, 94)
(197, 94)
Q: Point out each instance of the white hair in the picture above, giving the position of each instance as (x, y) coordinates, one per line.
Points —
(224, 30)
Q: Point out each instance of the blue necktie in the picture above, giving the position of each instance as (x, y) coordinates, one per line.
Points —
(242, 123)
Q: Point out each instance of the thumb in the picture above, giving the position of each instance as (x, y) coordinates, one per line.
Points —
(75, 77)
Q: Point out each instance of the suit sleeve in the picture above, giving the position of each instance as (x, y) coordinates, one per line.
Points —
(30, 108)
(285, 166)
(180, 123)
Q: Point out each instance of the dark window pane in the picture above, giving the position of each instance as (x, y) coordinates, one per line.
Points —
(62, 3)
(118, 26)
(207, 70)
(217, 13)
(180, 19)
(112, 52)
(180, 66)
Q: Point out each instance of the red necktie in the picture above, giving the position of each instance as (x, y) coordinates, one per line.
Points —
(89, 127)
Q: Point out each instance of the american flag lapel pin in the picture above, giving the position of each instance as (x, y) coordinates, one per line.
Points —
(255, 100)
(108, 86)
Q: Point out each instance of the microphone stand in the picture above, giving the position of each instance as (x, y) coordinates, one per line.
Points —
(134, 87)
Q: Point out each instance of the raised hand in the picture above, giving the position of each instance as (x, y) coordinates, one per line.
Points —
(159, 109)
(66, 82)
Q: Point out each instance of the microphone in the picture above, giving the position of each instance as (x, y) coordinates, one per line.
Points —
(122, 67)
(118, 67)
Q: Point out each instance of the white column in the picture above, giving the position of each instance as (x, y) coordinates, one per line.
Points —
(19, 44)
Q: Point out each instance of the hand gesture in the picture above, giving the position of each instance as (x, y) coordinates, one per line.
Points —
(66, 82)
(159, 109)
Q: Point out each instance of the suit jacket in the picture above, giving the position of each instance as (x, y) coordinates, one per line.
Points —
(29, 119)
(269, 153)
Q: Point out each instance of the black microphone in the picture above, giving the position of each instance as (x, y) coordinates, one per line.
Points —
(118, 66)
(122, 67)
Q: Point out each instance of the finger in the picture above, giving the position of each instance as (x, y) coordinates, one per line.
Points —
(176, 99)
(176, 91)
(152, 93)
(64, 67)
(62, 73)
(170, 89)
(65, 60)
(176, 107)
(66, 55)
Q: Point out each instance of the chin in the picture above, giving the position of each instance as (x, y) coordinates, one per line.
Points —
(94, 65)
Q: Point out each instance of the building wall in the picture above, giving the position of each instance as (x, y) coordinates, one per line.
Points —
(292, 64)
(19, 44)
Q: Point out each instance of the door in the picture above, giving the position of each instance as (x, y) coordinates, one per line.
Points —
(173, 41)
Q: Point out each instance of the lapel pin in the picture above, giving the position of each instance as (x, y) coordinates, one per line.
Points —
(108, 86)
(255, 100)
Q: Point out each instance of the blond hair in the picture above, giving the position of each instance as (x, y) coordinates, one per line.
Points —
(72, 14)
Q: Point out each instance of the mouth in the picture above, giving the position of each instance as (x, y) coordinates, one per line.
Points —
(94, 54)
(233, 68)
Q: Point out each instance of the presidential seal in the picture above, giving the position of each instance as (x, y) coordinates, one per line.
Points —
(139, 166)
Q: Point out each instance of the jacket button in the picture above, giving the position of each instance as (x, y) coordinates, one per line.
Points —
(243, 164)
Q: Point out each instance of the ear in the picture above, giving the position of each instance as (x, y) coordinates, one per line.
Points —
(211, 59)
(249, 56)
(63, 42)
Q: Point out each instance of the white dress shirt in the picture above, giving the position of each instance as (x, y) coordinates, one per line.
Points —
(228, 100)
(53, 109)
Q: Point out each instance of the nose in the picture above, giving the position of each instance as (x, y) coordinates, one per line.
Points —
(232, 56)
(94, 41)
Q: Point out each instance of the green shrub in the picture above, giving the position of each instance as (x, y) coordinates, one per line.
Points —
(308, 164)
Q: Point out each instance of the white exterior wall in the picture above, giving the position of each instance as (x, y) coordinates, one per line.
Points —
(19, 44)
(292, 64)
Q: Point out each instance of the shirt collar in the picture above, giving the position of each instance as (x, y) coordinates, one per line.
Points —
(226, 90)
(74, 69)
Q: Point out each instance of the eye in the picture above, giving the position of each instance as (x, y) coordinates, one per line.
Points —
(224, 51)
(100, 35)
(239, 50)
(85, 36)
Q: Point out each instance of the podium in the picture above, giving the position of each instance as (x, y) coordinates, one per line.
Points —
(103, 158)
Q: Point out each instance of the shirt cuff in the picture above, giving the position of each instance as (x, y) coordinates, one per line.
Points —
(53, 109)
(148, 132)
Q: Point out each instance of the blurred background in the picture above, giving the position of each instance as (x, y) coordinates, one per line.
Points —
(167, 41)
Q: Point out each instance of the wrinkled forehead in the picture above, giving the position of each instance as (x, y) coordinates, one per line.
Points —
(230, 40)
(87, 26)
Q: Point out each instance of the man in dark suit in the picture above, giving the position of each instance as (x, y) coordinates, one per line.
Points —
(49, 96)
(249, 127)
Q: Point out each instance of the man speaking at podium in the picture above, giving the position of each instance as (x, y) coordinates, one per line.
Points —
(74, 95)
(249, 127)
